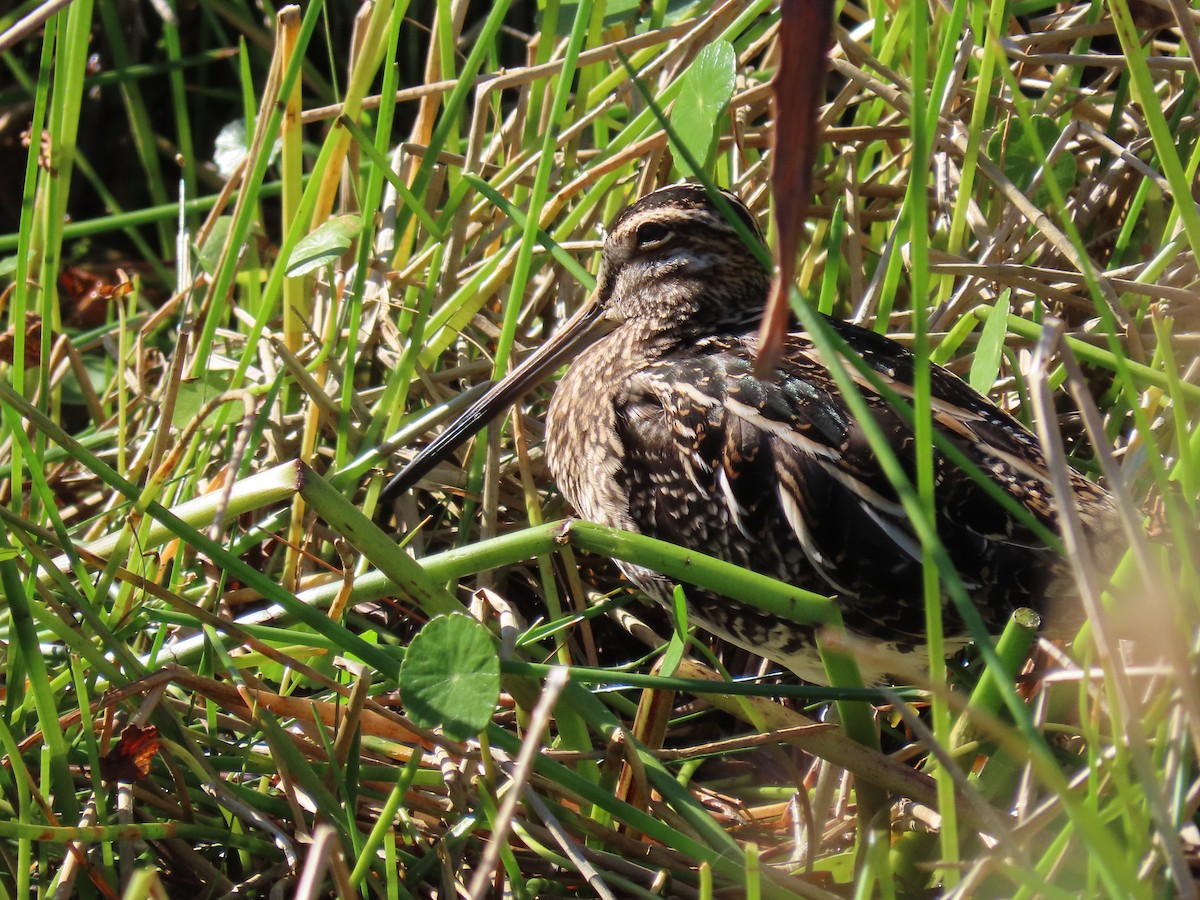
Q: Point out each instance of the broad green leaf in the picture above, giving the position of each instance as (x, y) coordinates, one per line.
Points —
(450, 678)
(985, 367)
(96, 370)
(210, 254)
(839, 867)
(704, 93)
(195, 392)
(321, 247)
(1020, 156)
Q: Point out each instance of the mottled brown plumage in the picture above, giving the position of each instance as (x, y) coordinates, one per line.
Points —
(661, 427)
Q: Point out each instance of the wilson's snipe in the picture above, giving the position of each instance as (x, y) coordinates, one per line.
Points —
(660, 427)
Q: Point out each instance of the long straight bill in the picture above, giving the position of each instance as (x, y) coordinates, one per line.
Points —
(581, 330)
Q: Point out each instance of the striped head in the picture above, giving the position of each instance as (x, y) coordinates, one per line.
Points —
(672, 260)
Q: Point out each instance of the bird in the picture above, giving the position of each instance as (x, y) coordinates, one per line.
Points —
(661, 426)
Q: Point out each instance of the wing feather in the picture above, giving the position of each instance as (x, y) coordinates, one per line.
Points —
(709, 445)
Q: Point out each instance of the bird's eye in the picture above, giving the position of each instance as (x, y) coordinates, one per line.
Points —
(651, 234)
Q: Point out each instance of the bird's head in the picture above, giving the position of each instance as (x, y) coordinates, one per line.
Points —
(677, 256)
(673, 266)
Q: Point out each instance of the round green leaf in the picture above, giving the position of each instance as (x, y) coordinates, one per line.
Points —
(194, 393)
(450, 678)
(1021, 156)
(326, 243)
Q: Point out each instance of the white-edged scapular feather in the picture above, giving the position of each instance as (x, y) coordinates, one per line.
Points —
(782, 431)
